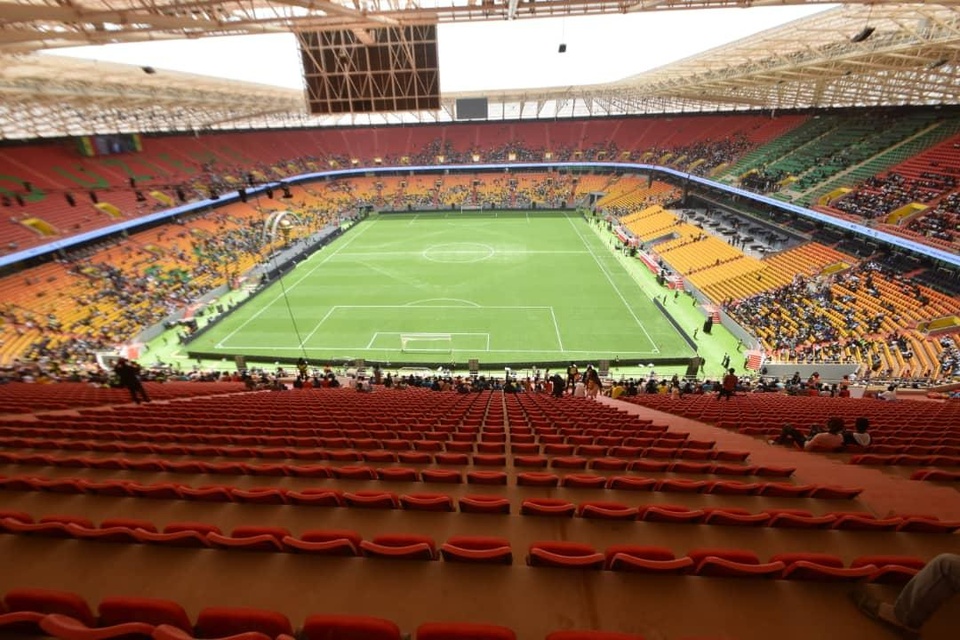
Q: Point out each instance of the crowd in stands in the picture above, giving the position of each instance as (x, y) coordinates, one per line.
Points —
(828, 321)
(881, 195)
(949, 357)
(117, 288)
(943, 222)
(762, 181)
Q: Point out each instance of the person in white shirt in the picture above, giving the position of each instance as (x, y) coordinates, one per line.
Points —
(859, 435)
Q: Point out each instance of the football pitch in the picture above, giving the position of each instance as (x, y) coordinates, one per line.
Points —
(501, 287)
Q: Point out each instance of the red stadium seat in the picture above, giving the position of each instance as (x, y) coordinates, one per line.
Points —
(536, 462)
(399, 546)
(732, 563)
(785, 489)
(484, 504)
(315, 497)
(607, 511)
(445, 476)
(822, 567)
(353, 472)
(487, 477)
(327, 542)
(856, 521)
(570, 555)
(547, 507)
(798, 519)
(217, 622)
(927, 524)
(891, 569)
(477, 550)
(631, 483)
(646, 559)
(583, 481)
(66, 628)
(35, 603)
(537, 479)
(463, 631)
(262, 495)
(251, 538)
(371, 499)
(670, 513)
(827, 492)
(608, 464)
(397, 474)
(427, 502)
(120, 610)
(735, 516)
(342, 627)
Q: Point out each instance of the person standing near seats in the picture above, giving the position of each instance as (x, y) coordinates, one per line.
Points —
(573, 374)
(728, 386)
(934, 585)
(128, 374)
(594, 384)
(558, 385)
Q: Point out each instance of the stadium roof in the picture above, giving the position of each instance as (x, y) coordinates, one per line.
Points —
(851, 56)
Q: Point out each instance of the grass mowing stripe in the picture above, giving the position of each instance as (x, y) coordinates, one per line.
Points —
(612, 284)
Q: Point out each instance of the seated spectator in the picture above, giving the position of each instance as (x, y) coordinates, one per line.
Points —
(818, 439)
(890, 395)
(859, 436)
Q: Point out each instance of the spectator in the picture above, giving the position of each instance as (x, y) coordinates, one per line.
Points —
(859, 436)
(920, 598)
(818, 439)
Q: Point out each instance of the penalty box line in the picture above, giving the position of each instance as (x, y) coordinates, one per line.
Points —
(452, 334)
(334, 308)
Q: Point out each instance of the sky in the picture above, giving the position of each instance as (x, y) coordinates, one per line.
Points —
(481, 56)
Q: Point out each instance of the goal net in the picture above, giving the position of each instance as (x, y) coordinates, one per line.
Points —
(464, 207)
(426, 343)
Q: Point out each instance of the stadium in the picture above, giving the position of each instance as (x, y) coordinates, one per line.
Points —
(368, 314)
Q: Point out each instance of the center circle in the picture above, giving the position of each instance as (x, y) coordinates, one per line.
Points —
(459, 252)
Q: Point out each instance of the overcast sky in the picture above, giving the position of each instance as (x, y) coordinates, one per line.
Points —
(486, 55)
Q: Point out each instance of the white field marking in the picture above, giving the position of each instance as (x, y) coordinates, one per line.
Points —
(400, 333)
(413, 219)
(594, 353)
(416, 303)
(508, 252)
(316, 327)
(614, 285)
(410, 305)
(220, 345)
(556, 326)
(386, 273)
(484, 253)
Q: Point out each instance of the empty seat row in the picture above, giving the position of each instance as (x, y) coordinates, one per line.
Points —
(906, 460)
(383, 456)
(67, 616)
(717, 562)
(380, 450)
(736, 516)
(936, 475)
(191, 433)
(479, 550)
(176, 490)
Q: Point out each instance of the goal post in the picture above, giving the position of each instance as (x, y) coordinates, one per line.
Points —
(426, 343)
(464, 207)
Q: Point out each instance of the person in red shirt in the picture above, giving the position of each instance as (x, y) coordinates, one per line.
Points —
(728, 386)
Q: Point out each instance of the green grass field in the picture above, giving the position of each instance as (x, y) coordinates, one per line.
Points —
(447, 287)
